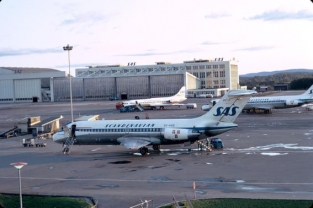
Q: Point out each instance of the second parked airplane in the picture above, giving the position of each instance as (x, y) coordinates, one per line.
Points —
(274, 102)
(159, 102)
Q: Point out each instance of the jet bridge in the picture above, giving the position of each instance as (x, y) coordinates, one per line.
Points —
(36, 126)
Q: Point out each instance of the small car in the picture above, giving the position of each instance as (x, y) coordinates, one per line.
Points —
(113, 98)
(127, 109)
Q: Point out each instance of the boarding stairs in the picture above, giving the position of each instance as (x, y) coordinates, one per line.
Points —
(67, 146)
(203, 145)
(9, 133)
(140, 108)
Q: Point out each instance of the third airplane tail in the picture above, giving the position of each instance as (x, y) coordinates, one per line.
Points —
(309, 92)
(181, 92)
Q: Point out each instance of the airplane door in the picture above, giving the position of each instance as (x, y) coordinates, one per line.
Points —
(126, 131)
(66, 131)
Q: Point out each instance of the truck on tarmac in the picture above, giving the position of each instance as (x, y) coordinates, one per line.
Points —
(31, 142)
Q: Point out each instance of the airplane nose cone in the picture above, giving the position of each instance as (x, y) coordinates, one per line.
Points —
(57, 137)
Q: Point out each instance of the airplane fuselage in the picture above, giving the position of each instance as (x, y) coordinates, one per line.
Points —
(160, 101)
(158, 131)
(153, 101)
(276, 102)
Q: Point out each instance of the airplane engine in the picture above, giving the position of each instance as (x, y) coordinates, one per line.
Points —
(174, 101)
(292, 102)
(180, 134)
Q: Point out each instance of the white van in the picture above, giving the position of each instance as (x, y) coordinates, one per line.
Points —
(205, 96)
(191, 105)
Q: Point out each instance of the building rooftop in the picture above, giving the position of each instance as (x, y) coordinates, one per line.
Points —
(24, 70)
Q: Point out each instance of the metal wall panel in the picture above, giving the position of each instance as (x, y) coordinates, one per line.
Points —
(26, 89)
(62, 89)
(6, 91)
(166, 85)
(99, 88)
(135, 87)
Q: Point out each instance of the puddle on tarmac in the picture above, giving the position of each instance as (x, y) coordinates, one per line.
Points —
(108, 186)
(120, 162)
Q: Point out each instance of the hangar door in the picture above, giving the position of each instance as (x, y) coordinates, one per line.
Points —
(6, 91)
(27, 90)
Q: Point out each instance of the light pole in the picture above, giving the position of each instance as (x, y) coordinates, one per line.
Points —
(19, 165)
(68, 48)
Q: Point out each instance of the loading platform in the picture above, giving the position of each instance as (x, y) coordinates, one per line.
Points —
(10, 133)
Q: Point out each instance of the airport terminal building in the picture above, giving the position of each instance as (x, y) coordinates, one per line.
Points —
(139, 81)
(124, 82)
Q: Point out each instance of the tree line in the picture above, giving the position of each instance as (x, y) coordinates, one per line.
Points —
(296, 81)
(301, 84)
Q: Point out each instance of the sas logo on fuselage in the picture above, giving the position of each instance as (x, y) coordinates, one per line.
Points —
(228, 111)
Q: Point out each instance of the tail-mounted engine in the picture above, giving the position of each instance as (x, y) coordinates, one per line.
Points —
(180, 134)
(174, 100)
(292, 102)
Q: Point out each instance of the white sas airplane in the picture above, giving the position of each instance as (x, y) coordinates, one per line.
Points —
(160, 102)
(275, 102)
(137, 134)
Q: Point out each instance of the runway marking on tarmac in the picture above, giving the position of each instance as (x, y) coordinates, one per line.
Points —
(162, 181)
(280, 145)
(273, 153)
(94, 150)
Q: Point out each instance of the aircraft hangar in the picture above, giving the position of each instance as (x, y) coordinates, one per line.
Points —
(118, 81)
(18, 84)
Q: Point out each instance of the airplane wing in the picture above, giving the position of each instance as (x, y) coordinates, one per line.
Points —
(133, 142)
(160, 105)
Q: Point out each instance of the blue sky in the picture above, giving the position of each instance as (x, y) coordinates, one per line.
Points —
(262, 35)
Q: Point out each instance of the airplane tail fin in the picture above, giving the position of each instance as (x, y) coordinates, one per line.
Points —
(229, 106)
(309, 91)
(181, 92)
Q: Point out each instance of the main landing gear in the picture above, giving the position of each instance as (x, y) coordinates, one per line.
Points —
(144, 150)
(156, 147)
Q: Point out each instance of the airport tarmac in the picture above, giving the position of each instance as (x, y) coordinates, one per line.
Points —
(267, 156)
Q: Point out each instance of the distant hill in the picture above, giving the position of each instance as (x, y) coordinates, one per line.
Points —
(276, 72)
(274, 77)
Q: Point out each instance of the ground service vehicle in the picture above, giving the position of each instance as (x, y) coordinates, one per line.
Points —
(127, 109)
(216, 143)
